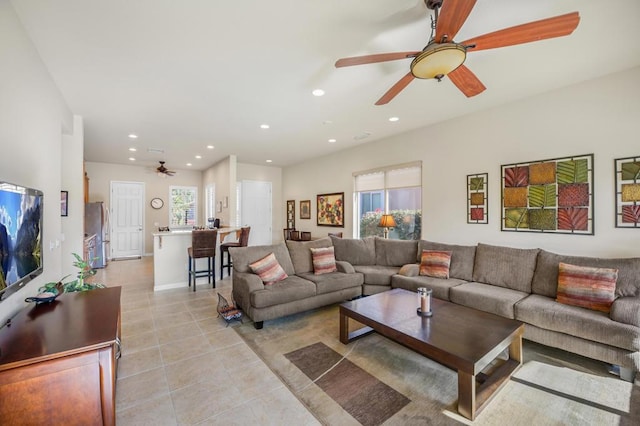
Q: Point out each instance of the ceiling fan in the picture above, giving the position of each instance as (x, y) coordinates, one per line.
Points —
(444, 57)
(162, 170)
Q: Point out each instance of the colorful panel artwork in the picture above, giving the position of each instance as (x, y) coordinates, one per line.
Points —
(553, 195)
(627, 192)
(477, 198)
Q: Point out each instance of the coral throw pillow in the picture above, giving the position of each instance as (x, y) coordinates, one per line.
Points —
(435, 263)
(268, 269)
(591, 288)
(324, 260)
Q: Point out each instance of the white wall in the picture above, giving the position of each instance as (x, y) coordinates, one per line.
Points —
(101, 175)
(599, 117)
(33, 118)
(223, 175)
(273, 175)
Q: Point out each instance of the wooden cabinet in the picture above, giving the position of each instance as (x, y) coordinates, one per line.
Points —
(58, 361)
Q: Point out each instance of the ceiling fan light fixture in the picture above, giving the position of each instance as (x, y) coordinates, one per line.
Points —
(438, 60)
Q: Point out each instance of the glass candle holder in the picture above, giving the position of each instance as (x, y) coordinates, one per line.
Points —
(424, 294)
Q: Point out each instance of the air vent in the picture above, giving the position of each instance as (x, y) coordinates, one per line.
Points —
(155, 150)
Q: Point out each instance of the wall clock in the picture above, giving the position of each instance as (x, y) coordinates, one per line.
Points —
(157, 203)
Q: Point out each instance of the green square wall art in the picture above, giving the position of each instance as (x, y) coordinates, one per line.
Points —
(627, 192)
(477, 204)
(550, 196)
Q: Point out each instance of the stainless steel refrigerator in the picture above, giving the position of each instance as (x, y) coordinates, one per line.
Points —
(96, 222)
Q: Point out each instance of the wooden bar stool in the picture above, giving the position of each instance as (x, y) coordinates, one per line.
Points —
(243, 241)
(203, 244)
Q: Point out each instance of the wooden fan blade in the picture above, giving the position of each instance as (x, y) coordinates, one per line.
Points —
(371, 59)
(453, 14)
(557, 26)
(466, 81)
(395, 89)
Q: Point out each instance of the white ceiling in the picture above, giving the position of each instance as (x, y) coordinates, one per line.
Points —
(185, 74)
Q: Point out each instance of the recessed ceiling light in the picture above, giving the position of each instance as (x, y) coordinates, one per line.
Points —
(189, 164)
(318, 92)
(210, 146)
(394, 118)
(198, 156)
(132, 149)
(332, 140)
(132, 136)
(132, 159)
(269, 161)
(264, 126)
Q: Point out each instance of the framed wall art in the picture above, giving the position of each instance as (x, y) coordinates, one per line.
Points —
(627, 192)
(291, 214)
(477, 198)
(554, 196)
(64, 203)
(330, 209)
(305, 209)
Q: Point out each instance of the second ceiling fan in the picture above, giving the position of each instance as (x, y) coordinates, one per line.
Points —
(444, 57)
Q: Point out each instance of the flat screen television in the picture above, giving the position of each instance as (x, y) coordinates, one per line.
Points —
(21, 212)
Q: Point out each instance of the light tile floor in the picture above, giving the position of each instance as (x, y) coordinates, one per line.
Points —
(181, 365)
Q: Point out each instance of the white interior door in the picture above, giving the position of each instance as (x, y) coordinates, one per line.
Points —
(127, 219)
(255, 205)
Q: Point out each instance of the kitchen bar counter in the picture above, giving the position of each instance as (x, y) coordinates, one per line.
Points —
(171, 262)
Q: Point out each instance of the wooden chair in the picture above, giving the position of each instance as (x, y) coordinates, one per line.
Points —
(203, 245)
(336, 234)
(243, 241)
(305, 236)
(294, 235)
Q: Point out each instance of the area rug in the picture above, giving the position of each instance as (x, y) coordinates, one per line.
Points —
(552, 387)
(348, 385)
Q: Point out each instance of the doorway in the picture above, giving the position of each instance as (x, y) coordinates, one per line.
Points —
(256, 211)
(127, 219)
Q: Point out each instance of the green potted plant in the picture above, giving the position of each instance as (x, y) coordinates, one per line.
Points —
(79, 284)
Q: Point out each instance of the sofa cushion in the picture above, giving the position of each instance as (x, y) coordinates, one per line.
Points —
(548, 314)
(591, 288)
(291, 289)
(487, 297)
(395, 252)
(268, 269)
(462, 258)
(505, 266)
(435, 263)
(439, 286)
(545, 279)
(301, 254)
(324, 260)
(355, 251)
(243, 256)
(377, 275)
(334, 281)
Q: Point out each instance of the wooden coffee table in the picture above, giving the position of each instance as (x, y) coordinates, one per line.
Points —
(461, 338)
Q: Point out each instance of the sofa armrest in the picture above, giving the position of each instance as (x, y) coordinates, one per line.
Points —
(626, 310)
(245, 283)
(345, 267)
(410, 270)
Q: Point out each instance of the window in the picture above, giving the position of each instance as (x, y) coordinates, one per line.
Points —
(395, 190)
(183, 206)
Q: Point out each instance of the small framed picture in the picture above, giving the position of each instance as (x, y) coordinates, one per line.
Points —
(64, 203)
(305, 209)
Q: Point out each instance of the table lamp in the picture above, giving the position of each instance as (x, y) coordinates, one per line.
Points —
(386, 222)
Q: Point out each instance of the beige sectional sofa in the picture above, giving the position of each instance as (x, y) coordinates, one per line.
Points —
(510, 282)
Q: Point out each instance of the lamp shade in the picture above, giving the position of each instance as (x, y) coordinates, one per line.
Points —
(387, 221)
(438, 60)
